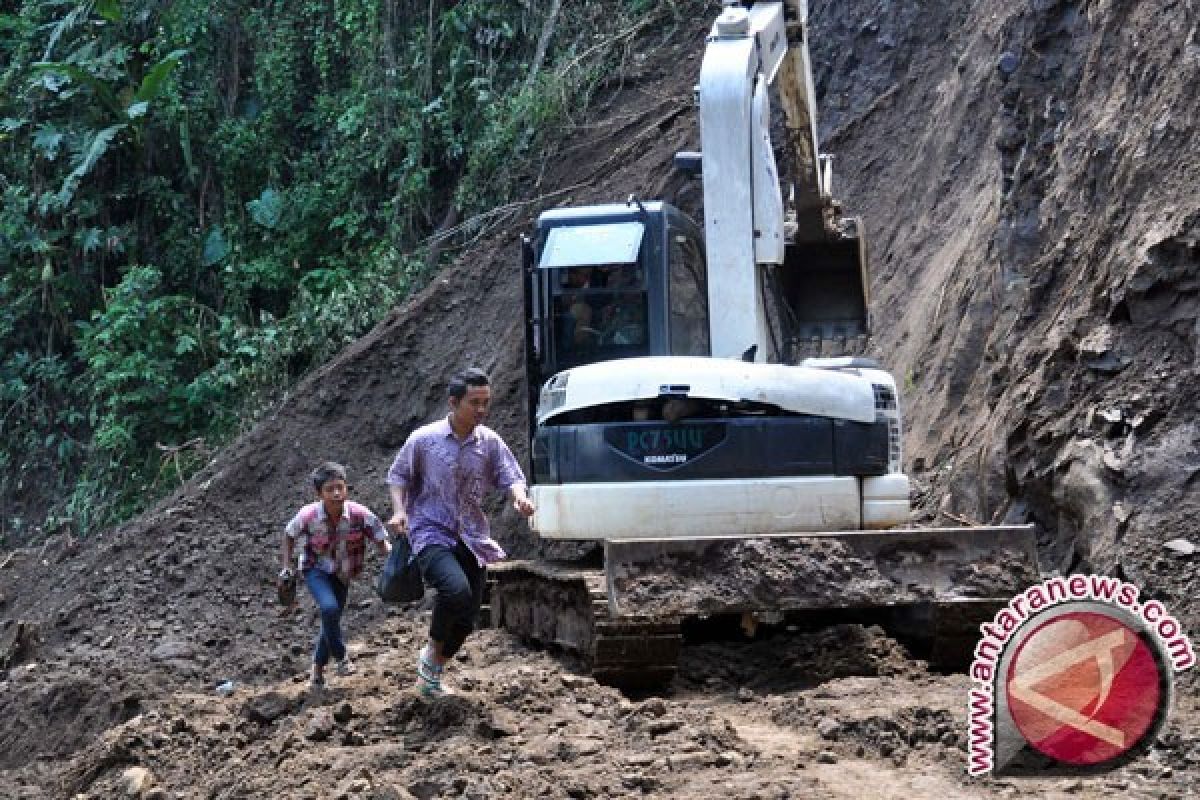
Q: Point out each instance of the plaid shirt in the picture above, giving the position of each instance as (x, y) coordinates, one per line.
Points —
(341, 550)
(446, 479)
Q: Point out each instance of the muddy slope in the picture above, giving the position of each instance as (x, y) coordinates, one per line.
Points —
(1029, 171)
(1036, 288)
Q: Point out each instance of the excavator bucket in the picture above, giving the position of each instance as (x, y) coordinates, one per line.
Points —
(945, 581)
(823, 287)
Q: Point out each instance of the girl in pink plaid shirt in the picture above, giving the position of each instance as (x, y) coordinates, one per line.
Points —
(332, 535)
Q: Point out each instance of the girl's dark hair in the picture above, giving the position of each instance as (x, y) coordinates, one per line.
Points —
(326, 472)
(468, 377)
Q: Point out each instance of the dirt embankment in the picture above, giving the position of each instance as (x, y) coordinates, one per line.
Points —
(1027, 172)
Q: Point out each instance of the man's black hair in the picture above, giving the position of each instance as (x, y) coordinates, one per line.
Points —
(326, 472)
(467, 378)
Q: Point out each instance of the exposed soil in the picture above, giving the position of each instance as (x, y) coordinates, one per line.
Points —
(1036, 289)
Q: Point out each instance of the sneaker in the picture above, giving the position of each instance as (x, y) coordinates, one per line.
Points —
(316, 682)
(429, 675)
(426, 668)
(428, 688)
(433, 688)
(346, 667)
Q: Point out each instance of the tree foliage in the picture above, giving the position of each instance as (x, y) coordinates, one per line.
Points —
(200, 201)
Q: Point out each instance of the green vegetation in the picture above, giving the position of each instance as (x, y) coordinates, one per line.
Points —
(201, 201)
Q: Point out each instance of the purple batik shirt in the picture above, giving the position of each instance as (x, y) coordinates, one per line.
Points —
(445, 480)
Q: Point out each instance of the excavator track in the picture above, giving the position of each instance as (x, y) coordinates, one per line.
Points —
(566, 606)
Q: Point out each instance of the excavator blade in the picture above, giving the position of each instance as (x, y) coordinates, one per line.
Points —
(978, 567)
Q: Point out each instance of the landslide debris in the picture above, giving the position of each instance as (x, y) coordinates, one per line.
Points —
(1027, 174)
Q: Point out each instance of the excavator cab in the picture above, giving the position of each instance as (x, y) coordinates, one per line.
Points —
(612, 282)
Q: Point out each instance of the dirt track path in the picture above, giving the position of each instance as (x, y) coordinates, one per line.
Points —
(841, 712)
(835, 769)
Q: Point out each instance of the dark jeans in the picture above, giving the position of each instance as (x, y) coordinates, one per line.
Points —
(330, 594)
(458, 579)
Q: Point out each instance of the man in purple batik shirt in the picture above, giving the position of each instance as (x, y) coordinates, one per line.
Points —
(437, 482)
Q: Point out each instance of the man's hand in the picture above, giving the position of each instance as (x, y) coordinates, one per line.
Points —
(522, 504)
(398, 524)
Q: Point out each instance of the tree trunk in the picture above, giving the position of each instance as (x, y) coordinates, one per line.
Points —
(543, 43)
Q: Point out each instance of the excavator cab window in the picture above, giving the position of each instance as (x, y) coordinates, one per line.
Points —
(613, 282)
(599, 313)
(688, 297)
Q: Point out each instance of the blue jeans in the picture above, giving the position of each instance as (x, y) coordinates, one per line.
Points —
(330, 595)
(458, 579)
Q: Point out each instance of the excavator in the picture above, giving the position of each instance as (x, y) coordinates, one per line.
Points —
(676, 426)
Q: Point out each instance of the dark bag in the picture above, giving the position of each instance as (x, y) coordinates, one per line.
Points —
(400, 579)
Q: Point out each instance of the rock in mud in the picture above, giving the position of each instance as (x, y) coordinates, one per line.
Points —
(655, 707)
(663, 726)
(137, 782)
(426, 789)
(320, 726)
(499, 725)
(391, 792)
(173, 649)
(266, 708)
(683, 762)
(1182, 547)
(17, 643)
